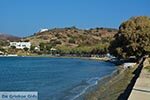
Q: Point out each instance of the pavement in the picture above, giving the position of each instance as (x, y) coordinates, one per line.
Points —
(141, 89)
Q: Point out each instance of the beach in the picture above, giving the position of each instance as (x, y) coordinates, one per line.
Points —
(126, 83)
(113, 86)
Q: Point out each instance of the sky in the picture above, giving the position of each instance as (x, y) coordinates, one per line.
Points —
(25, 17)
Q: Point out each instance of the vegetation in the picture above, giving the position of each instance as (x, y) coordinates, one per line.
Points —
(100, 48)
(26, 49)
(132, 39)
(146, 61)
(148, 68)
(3, 43)
(73, 40)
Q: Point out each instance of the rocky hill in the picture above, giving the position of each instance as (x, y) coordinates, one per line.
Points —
(72, 37)
(7, 38)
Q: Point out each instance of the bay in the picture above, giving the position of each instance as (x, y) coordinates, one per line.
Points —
(52, 78)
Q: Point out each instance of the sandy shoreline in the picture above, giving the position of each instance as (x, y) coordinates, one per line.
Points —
(111, 87)
(121, 85)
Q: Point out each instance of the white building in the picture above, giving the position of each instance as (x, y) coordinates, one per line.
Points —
(37, 48)
(21, 45)
(43, 30)
(53, 49)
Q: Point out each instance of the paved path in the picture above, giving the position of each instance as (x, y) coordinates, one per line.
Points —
(141, 89)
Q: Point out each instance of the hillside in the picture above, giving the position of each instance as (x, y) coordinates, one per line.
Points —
(73, 40)
(7, 38)
(72, 37)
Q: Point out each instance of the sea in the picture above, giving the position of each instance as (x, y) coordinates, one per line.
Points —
(52, 78)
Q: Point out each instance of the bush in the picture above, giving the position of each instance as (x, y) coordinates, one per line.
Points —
(72, 41)
(148, 68)
(58, 42)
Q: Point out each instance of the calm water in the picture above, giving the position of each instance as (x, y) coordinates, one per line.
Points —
(53, 78)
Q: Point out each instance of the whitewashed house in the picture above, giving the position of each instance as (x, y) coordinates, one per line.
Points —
(43, 30)
(21, 45)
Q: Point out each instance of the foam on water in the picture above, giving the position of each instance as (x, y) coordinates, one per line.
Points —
(91, 82)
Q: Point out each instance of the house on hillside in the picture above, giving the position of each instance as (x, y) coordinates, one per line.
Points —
(21, 45)
(43, 30)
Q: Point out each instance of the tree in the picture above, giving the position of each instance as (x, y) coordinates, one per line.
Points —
(13, 47)
(42, 46)
(3, 50)
(132, 39)
(32, 48)
(26, 49)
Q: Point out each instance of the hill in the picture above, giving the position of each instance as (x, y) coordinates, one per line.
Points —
(7, 38)
(72, 36)
(73, 40)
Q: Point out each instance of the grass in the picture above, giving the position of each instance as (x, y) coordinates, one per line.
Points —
(147, 68)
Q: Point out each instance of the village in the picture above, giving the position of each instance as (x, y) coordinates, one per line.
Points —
(20, 48)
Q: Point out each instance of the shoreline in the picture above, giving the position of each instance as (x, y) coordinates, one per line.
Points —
(93, 86)
(117, 87)
(88, 88)
(80, 57)
(102, 81)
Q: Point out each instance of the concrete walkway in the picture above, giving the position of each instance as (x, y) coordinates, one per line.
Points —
(141, 89)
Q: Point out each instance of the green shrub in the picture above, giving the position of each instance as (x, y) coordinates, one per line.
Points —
(148, 68)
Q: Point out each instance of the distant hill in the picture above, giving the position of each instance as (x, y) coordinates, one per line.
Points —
(7, 37)
(72, 37)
